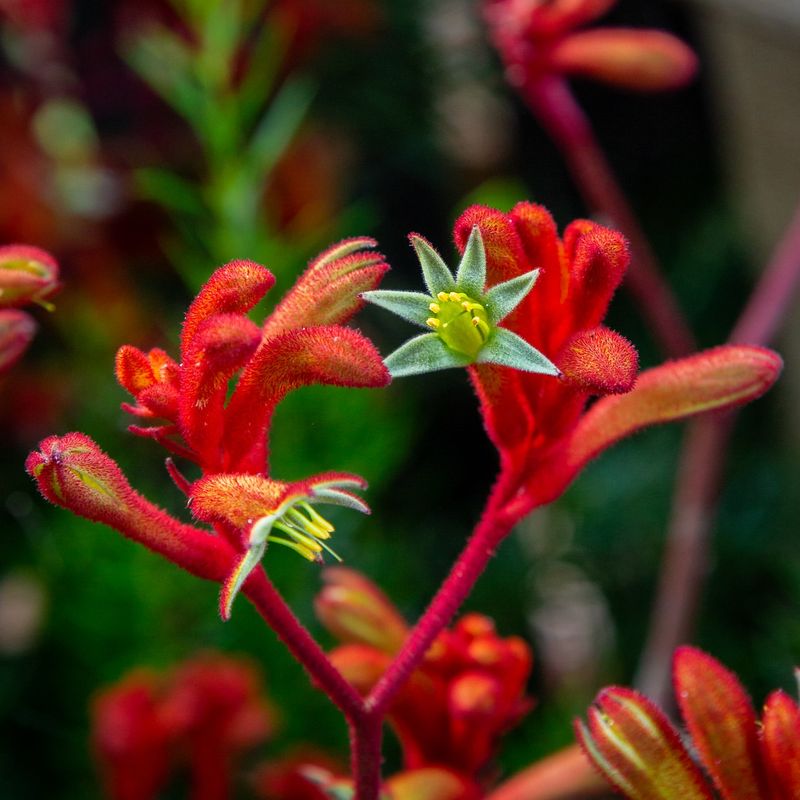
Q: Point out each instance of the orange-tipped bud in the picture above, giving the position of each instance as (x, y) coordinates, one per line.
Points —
(430, 783)
(16, 331)
(600, 361)
(641, 60)
(474, 694)
(355, 610)
(27, 275)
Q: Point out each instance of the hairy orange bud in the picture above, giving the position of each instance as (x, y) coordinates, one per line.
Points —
(642, 60)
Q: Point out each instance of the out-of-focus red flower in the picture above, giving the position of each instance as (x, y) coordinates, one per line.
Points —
(205, 715)
(540, 424)
(466, 694)
(36, 15)
(185, 405)
(287, 778)
(635, 747)
(537, 39)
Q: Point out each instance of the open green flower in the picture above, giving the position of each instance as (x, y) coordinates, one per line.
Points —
(463, 316)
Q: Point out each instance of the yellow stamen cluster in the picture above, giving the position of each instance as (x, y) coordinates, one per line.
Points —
(307, 530)
(460, 321)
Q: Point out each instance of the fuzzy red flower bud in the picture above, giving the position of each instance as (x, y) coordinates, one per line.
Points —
(355, 610)
(600, 361)
(73, 472)
(27, 275)
(641, 60)
(17, 329)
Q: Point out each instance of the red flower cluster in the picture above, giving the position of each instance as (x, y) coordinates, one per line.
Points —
(189, 412)
(537, 39)
(466, 694)
(541, 425)
(203, 717)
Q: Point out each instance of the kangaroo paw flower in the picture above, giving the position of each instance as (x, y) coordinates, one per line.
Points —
(462, 314)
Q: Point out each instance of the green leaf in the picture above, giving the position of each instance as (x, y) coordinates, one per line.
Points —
(509, 350)
(169, 190)
(436, 273)
(411, 306)
(425, 353)
(471, 277)
(503, 298)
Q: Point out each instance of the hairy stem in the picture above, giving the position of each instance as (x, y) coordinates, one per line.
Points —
(554, 106)
(480, 548)
(774, 293)
(366, 737)
(302, 645)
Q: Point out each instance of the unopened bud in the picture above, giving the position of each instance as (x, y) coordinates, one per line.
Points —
(16, 331)
(354, 610)
(600, 361)
(641, 60)
(27, 275)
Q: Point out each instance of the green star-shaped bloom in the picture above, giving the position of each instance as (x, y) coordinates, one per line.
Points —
(463, 316)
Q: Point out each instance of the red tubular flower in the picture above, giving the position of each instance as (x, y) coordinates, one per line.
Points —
(540, 424)
(637, 750)
(538, 40)
(467, 692)
(302, 343)
(208, 713)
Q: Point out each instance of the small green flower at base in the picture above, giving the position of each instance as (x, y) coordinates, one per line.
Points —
(464, 317)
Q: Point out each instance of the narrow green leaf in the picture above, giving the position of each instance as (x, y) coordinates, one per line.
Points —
(425, 353)
(509, 350)
(471, 277)
(503, 298)
(436, 273)
(411, 306)
(169, 190)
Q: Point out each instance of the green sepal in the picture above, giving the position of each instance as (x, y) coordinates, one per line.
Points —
(471, 276)
(411, 306)
(425, 353)
(503, 298)
(509, 350)
(436, 273)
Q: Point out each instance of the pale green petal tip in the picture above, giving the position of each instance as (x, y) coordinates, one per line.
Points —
(471, 276)
(503, 298)
(425, 353)
(509, 350)
(435, 272)
(411, 306)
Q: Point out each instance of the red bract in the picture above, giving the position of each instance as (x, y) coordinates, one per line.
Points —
(539, 424)
(635, 747)
(468, 691)
(538, 40)
(187, 407)
(205, 715)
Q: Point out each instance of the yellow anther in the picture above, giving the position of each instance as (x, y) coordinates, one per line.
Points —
(443, 297)
(482, 326)
(434, 323)
(455, 296)
(317, 518)
(435, 308)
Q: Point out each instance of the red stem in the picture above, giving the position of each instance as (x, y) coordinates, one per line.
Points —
(490, 531)
(684, 565)
(555, 107)
(302, 645)
(770, 300)
(366, 737)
